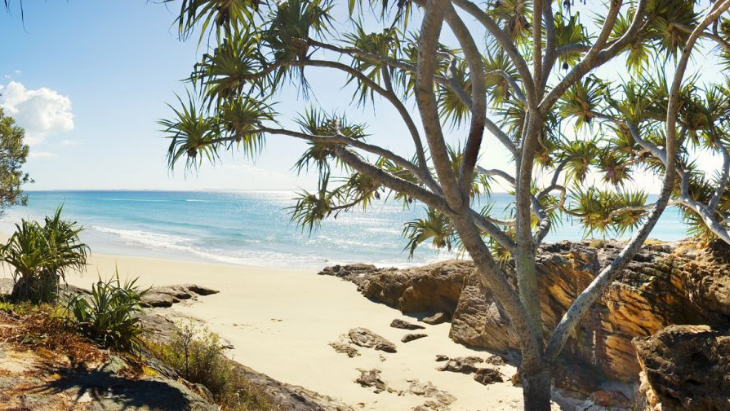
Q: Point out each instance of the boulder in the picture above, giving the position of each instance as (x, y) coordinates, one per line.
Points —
(687, 367)
(405, 325)
(365, 338)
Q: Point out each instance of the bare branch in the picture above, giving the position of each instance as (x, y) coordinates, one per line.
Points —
(427, 44)
(478, 97)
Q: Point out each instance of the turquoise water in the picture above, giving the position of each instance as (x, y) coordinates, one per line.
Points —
(249, 228)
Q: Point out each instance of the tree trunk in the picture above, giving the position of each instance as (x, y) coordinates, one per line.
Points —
(536, 390)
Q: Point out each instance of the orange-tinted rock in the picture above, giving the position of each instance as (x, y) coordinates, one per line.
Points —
(665, 284)
(686, 367)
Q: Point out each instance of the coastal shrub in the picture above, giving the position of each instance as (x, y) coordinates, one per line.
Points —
(41, 255)
(110, 315)
(197, 354)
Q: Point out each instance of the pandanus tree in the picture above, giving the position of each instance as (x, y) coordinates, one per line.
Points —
(572, 99)
(41, 255)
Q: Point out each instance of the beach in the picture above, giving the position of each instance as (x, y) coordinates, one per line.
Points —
(280, 322)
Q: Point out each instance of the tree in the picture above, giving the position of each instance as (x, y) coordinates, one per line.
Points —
(41, 255)
(574, 98)
(13, 154)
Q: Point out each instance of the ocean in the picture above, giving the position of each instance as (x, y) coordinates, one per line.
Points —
(251, 228)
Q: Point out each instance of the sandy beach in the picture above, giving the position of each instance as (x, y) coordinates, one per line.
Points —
(281, 322)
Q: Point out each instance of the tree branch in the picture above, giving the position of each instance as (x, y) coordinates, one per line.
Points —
(433, 18)
(597, 287)
(506, 43)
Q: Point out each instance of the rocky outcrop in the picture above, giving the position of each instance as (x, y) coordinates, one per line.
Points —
(665, 284)
(686, 367)
(166, 296)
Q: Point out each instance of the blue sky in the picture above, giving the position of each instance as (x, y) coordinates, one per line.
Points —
(90, 79)
(103, 71)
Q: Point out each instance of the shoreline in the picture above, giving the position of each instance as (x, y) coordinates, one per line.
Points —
(281, 322)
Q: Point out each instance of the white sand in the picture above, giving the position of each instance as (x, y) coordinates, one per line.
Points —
(281, 321)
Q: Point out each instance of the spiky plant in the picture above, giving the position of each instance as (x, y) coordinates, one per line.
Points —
(42, 255)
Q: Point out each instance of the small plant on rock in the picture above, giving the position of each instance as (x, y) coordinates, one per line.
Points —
(110, 315)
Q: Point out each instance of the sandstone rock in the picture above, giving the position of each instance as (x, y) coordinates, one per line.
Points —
(438, 318)
(365, 338)
(427, 289)
(200, 290)
(665, 284)
(441, 357)
(405, 325)
(410, 337)
(168, 295)
(495, 360)
(486, 376)
(610, 399)
(457, 365)
(428, 390)
(345, 349)
(371, 378)
(687, 367)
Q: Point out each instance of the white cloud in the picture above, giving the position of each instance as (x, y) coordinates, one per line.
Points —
(41, 154)
(41, 111)
(18, 72)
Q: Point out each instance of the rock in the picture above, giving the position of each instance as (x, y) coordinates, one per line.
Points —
(350, 272)
(674, 283)
(610, 399)
(495, 360)
(168, 295)
(158, 300)
(515, 379)
(345, 349)
(431, 288)
(457, 365)
(428, 390)
(371, 378)
(441, 357)
(486, 376)
(410, 337)
(687, 367)
(200, 290)
(405, 325)
(437, 318)
(365, 338)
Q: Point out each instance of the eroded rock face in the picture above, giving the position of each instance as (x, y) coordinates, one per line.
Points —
(687, 367)
(665, 284)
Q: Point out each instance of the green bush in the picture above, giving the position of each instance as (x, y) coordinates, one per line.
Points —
(41, 256)
(110, 315)
(198, 356)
